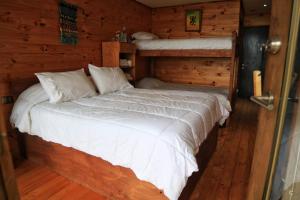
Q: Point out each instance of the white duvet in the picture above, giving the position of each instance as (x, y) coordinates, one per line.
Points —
(154, 83)
(155, 133)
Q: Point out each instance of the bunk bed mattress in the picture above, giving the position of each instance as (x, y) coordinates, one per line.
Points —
(185, 44)
(155, 133)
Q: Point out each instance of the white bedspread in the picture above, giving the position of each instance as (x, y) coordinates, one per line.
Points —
(178, 44)
(154, 83)
(155, 133)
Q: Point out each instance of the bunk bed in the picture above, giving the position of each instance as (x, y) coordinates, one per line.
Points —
(209, 47)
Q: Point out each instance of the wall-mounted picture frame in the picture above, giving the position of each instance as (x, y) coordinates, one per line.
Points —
(193, 20)
(68, 23)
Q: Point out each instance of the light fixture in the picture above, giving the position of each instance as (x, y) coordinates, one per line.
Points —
(265, 5)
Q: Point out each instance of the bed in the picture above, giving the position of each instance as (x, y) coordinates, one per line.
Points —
(193, 51)
(165, 128)
(154, 83)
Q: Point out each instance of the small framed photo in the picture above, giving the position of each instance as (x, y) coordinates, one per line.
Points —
(193, 20)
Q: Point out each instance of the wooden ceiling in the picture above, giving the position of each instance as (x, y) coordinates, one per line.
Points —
(250, 6)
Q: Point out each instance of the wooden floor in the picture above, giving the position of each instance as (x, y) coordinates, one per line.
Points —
(225, 178)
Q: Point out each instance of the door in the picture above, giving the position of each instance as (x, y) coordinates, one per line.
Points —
(8, 186)
(253, 57)
(273, 80)
(285, 178)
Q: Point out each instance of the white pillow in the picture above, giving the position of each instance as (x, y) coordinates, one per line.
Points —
(144, 36)
(109, 79)
(66, 86)
(26, 100)
(150, 83)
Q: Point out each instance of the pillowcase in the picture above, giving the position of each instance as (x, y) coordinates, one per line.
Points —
(26, 100)
(150, 83)
(109, 79)
(66, 86)
(144, 36)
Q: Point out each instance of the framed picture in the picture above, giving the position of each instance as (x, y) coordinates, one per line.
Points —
(193, 20)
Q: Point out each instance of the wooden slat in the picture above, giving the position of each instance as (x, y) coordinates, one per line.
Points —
(207, 72)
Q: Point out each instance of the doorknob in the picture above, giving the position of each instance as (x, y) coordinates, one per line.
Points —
(272, 46)
(266, 101)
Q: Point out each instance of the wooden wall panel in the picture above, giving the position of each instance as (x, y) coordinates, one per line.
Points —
(30, 41)
(213, 72)
(219, 19)
(257, 20)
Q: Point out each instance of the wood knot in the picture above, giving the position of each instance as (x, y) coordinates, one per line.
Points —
(44, 48)
(213, 17)
(40, 22)
(25, 37)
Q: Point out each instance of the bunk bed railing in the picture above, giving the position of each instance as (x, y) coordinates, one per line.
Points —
(220, 53)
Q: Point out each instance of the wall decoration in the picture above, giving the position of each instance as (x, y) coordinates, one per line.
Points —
(68, 23)
(193, 20)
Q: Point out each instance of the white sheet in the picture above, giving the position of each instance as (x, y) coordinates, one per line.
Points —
(154, 83)
(178, 44)
(153, 132)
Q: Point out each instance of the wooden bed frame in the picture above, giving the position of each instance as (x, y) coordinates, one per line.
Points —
(200, 53)
(113, 182)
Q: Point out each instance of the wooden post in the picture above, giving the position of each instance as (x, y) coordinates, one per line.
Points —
(7, 169)
(233, 71)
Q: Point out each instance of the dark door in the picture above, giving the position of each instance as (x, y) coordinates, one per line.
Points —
(252, 57)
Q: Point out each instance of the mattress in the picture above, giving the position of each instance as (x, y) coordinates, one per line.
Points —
(155, 133)
(185, 44)
(154, 83)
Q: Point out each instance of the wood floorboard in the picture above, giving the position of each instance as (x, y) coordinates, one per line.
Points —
(226, 177)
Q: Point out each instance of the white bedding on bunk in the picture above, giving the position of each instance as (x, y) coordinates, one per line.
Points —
(178, 44)
(156, 133)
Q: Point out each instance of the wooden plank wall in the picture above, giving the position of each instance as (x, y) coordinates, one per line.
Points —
(188, 70)
(219, 19)
(29, 34)
(257, 20)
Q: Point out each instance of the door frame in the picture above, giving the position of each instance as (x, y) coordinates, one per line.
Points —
(288, 74)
